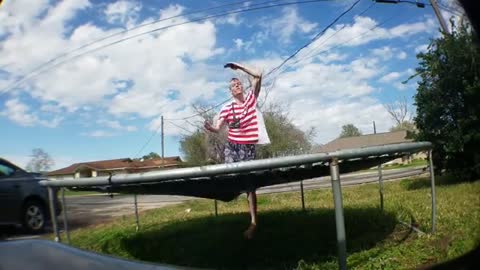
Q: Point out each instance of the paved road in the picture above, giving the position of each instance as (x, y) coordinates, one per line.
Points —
(94, 209)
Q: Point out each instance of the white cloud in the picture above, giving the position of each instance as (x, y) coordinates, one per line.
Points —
(232, 19)
(396, 78)
(20, 50)
(327, 81)
(365, 30)
(421, 48)
(332, 57)
(51, 108)
(289, 23)
(390, 77)
(402, 55)
(99, 134)
(384, 52)
(156, 64)
(115, 125)
(174, 59)
(123, 12)
(171, 11)
(328, 117)
(407, 29)
(16, 16)
(387, 53)
(238, 43)
(21, 114)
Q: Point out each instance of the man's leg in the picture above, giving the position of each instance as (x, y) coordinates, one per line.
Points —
(252, 205)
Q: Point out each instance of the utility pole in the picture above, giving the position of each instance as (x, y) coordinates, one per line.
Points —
(435, 7)
(163, 145)
(380, 175)
(443, 24)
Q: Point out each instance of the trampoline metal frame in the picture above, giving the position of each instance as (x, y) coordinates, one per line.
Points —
(334, 160)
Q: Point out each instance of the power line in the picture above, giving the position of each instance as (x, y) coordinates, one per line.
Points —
(450, 9)
(200, 113)
(147, 142)
(334, 34)
(369, 30)
(129, 30)
(342, 44)
(40, 71)
(286, 60)
(321, 33)
(314, 38)
(182, 128)
(347, 41)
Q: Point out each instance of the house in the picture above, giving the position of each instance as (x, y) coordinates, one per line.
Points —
(371, 140)
(114, 166)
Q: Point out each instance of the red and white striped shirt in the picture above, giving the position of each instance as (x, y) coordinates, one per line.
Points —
(247, 133)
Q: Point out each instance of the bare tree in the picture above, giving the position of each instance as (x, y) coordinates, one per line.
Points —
(41, 161)
(214, 142)
(398, 110)
(401, 113)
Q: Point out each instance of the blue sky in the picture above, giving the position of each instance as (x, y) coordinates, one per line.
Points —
(106, 103)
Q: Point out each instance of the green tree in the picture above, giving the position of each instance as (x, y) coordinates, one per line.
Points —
(286, 139)
(350, 130)
(201, 147)
(151, 155)
(447, 100)
(40, 162)
(405, 125)
(194, 147)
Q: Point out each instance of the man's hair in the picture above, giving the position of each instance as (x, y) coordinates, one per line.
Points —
(233, 79)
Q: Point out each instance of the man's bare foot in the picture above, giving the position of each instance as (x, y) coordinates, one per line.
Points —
(250, 231)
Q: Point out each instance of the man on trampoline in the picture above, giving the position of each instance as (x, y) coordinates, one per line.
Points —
(240, 116)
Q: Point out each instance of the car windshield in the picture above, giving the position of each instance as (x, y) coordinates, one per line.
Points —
(7, 168)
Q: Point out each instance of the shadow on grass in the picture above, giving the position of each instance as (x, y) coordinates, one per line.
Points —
(282, 240)
(419, 183)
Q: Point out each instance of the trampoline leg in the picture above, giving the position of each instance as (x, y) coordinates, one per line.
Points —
(65, 218)
(380, 181)
(137, 223)
(303, 196)
(53, 216)
(432, 183)
(216, 208)
(339, 219)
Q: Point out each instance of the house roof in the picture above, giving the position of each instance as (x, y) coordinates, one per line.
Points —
(364, 141)
(122, 163)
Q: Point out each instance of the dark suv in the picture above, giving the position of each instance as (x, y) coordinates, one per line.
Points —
(22, 199)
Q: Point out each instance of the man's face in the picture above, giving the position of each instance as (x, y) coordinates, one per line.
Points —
(236, 88)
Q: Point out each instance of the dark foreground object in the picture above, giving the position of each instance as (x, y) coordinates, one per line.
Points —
(46, 255)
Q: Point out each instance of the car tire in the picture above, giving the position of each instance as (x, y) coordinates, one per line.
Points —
(34, 216)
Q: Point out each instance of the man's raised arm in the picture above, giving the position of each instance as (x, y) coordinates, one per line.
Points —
(257, 76)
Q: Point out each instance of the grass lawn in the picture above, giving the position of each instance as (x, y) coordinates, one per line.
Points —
(77, 193)
(413, 163)
(190, 235)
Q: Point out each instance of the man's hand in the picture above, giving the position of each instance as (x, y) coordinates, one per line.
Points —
(209, 126)
(232, 65)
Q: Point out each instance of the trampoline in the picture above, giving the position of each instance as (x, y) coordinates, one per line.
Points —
(226, 181)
